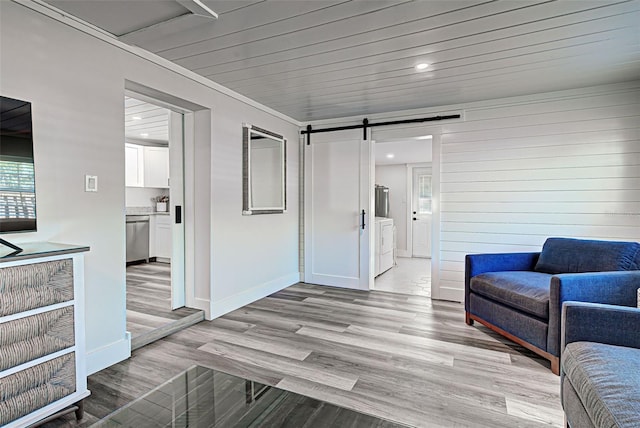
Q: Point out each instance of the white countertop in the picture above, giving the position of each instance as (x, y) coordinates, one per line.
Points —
(144, 211)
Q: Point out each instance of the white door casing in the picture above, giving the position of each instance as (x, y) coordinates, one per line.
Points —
(190, 125)
(413, 131)
(176, 198)
(337, 192)
(421, 212)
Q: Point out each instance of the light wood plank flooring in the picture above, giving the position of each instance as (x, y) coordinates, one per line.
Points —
(400, 357)
(149, 314)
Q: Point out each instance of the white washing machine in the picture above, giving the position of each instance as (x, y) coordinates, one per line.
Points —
(384, 245)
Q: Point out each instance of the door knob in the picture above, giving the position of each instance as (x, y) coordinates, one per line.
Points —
(414, 219)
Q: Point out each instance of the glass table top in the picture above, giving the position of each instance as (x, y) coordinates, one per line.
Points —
(201, 397)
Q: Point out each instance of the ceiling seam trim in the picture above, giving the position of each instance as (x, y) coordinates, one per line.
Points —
(184, 45)
(64, 18)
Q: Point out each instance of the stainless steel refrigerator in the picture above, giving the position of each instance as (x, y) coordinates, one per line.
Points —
(382, 201)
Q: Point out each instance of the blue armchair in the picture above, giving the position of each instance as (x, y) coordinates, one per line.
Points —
(520, 295)
(600, 371)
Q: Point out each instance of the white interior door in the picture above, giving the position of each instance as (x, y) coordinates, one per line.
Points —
(337, 206)
(421, 213)
(176, 201)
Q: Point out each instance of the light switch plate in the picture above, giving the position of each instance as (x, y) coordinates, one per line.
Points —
(90, 183)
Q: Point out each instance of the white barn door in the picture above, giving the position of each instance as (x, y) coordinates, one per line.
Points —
(337, 205)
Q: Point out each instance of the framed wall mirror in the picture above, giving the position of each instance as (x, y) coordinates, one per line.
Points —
(264, 171)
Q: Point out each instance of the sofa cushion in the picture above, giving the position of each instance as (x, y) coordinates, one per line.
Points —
(565, 255)
(524, 290)
(603, 377)
(575, 413)
(522, 325)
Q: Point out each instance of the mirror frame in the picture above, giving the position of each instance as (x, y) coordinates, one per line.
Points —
(247, 207)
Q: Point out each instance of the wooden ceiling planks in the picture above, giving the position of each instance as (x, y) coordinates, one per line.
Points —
(315, 60)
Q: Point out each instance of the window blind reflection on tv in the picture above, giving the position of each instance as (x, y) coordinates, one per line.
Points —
(17, 177)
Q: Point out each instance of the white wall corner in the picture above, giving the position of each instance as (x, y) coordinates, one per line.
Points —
(245, 297)
(403, 253)
(108, 355)
(203, 305)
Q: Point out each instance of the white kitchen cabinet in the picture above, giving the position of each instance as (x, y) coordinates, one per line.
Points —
(163, 236)
(156, 167)
(146, 166)
(134, 165)
(383, 260)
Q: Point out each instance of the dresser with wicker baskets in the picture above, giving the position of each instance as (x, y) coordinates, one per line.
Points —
(42, 349)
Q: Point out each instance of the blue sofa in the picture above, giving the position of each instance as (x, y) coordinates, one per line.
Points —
(520, 295)
(600, 370)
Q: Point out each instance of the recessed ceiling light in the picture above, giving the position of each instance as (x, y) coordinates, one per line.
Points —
(424, 137)
(422, 66)
(136, 118)
(144, 134)
(390, 155)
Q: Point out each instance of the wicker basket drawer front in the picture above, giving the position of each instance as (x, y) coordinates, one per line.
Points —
(35, 285)
(36, 387)
(33, 337)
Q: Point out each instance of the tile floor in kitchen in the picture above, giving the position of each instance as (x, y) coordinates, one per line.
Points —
(407, 276)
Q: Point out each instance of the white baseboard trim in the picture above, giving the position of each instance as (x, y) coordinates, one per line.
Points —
(109, 355)
(203, 305)
(243, 298)
(452, 294)
(403, 253)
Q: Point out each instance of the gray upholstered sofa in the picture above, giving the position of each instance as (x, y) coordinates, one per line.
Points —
(600, 370)
(520, 295)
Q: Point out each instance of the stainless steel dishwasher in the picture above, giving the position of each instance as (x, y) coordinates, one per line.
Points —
(137, 238)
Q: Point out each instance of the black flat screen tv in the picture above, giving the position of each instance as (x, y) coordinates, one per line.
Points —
(17, 178)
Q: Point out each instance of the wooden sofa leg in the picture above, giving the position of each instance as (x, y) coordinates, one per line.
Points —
(467, 318)
(555, 365)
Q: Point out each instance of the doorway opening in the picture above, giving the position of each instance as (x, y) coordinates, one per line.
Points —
(403, 217)
(154, 191)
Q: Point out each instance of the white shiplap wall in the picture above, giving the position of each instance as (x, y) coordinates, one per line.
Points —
(517, 171)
